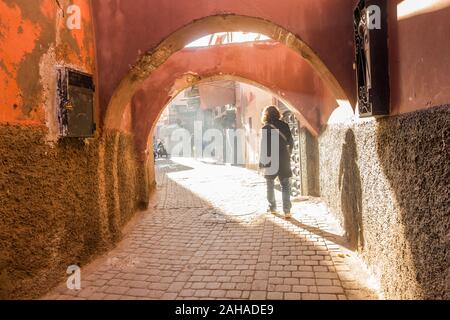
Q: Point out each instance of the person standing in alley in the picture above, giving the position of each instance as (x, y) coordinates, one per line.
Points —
(276, 149)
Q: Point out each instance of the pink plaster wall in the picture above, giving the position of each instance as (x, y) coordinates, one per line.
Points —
(419, 59)
(126, 29)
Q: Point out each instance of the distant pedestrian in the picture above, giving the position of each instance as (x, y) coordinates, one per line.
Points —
(161, 149)
(276, 159)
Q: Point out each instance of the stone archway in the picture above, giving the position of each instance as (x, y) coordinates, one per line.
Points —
(191, 80)
(153, 59)
(269, 65)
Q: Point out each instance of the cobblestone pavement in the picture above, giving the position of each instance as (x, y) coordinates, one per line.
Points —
(207, 236)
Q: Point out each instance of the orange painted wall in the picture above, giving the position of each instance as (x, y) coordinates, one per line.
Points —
(34, 39)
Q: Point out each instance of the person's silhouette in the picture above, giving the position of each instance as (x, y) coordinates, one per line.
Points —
(351, 194)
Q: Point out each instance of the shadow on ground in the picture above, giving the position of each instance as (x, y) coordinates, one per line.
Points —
(197, 251)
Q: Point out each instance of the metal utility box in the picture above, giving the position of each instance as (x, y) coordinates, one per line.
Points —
(75, 103)
(372, 57)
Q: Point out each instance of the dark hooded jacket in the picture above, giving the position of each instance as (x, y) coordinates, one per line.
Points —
(286, 143)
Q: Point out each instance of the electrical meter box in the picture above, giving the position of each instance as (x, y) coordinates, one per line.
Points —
(75, 103)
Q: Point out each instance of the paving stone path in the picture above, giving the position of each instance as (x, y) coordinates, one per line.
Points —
(206, 236)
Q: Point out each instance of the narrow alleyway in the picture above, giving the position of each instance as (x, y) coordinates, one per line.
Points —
(206, 236)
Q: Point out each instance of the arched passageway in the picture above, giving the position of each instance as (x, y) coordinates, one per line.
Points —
(208, 235)
(65, 200)
(324, 26)
(149, 62)
(269, 65)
